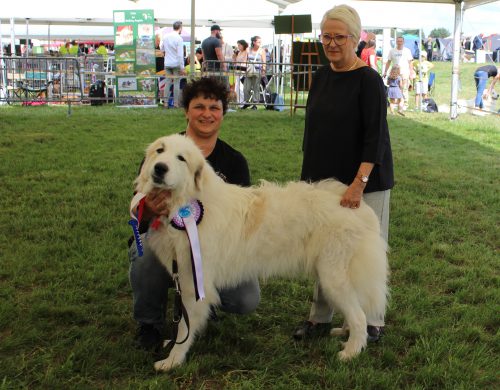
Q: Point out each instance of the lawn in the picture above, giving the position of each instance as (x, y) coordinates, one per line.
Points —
(65, 313)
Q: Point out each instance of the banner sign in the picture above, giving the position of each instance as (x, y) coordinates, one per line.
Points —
(135, 57)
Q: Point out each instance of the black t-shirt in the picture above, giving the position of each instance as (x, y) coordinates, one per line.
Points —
(229, 164)
(490, 69)
(346, 124)
(208, 46)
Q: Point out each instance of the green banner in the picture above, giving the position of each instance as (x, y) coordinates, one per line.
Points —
(135, 57)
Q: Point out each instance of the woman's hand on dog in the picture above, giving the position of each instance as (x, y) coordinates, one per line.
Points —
(156, 203)
(352, 196)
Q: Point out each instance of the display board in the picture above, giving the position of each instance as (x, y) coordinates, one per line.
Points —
(292, 24)
(135, 57)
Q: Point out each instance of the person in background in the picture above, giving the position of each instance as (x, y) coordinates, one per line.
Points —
(369, 56)
(240, 58)
(213, 55)
(64, 49)
(227, 51)
(394, 93)
(256, 69)
(429, 47)
(481, 76)
(74, 49)
(101, 50)
(196, 68)
(199, 55)
(421, 69)
(477, 43)
(346, 137)
(212, 50)
(401, 56)
(205, 103)
(172, 46)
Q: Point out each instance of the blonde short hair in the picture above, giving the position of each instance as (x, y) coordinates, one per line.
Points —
(347, 15)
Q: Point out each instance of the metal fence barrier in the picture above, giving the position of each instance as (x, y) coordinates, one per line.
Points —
(40, 80)
(279, 87)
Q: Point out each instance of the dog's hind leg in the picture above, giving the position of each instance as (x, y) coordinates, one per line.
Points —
(343, 296)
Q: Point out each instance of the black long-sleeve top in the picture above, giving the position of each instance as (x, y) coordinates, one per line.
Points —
(346, 124)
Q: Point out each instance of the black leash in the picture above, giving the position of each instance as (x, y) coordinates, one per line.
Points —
(179, 311)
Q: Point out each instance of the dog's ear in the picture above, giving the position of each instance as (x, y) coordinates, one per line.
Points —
(198, 177)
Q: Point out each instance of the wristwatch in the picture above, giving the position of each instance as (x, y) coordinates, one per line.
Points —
(363, 178)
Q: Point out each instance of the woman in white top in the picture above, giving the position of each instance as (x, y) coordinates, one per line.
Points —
(256, 69)
(240, 58)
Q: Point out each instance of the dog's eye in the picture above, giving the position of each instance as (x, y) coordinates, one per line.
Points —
(181, 158)
(160, 150)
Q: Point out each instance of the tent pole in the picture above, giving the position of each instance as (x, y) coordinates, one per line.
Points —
(27, 49)
(192, 74)
(12, 38)
(456, 60)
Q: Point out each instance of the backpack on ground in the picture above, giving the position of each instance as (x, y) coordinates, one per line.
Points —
(429, 105)
(97, 93)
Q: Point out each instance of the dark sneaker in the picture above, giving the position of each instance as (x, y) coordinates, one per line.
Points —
(308, 330)
(148, 337)
(374, 333)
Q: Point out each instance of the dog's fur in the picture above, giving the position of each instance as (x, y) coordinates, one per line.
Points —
(270, 230)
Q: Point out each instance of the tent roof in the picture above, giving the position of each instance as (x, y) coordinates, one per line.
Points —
(467, 3)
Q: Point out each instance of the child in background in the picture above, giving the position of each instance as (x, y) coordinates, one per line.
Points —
(394, 92)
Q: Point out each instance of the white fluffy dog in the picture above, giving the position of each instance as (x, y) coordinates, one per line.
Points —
(270, 230)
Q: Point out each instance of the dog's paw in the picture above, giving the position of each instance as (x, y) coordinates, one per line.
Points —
(166, 364)
(345, 356)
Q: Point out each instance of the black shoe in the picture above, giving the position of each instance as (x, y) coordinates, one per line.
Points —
(308, 330)
(245, 106)
(148, 337)
(254, 107)
(374, 333)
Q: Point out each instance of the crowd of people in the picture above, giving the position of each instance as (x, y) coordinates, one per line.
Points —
(242, 68)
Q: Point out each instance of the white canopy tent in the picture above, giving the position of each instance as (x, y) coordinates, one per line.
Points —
(374, 16)
(228, 13)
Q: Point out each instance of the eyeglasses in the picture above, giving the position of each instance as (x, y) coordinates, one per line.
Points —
(339, 39)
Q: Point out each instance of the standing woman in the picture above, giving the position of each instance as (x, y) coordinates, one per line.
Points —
(240, 58)
(256, 69)
(346, 137)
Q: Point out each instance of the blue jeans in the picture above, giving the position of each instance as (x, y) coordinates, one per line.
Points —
(172, 77)
(150, 282)
(481, 79)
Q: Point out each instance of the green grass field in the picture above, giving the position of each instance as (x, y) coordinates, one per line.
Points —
(65, 312)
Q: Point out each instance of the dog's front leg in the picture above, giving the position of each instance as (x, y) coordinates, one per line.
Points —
(198, 312)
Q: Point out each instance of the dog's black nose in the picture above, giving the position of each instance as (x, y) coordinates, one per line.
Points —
(160, 170)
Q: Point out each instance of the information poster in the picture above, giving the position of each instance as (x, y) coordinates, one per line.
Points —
(135, 57)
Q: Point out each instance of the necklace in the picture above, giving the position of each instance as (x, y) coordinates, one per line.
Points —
(350, 68)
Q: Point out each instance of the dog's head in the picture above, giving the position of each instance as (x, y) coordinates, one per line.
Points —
(173, 163)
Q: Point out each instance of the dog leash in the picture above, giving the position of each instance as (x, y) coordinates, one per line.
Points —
(179, 311)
